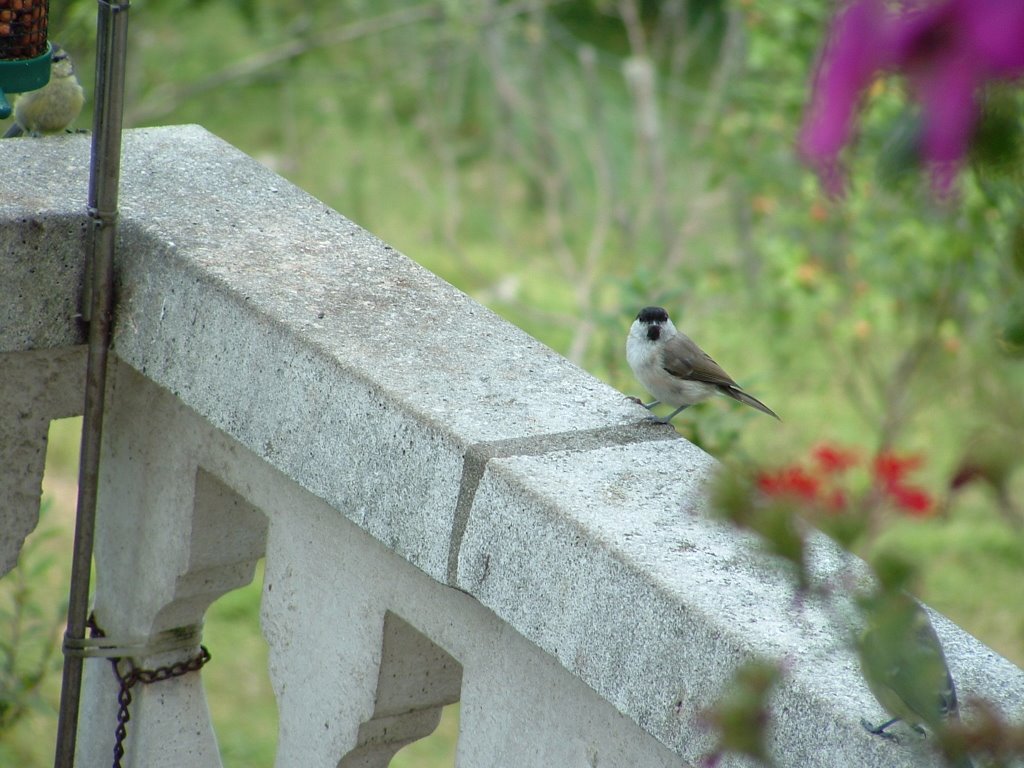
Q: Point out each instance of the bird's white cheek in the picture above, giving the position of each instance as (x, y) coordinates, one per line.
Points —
(636, 354)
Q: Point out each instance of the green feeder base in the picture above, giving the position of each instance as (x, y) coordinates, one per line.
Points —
(23, 75)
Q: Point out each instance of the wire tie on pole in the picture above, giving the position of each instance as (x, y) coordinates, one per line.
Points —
(128, 674)
(106, 647)
(116, 7)
(107, 218)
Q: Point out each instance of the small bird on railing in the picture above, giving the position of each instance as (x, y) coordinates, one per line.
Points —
(674, 369)
(903, 664)
(54, 107)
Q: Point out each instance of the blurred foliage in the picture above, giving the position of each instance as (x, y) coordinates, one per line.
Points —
(568, 162)
(29, 644)
(901, 656)
(741, 716)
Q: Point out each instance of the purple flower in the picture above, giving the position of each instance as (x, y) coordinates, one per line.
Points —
(852, 55)
(947, 49)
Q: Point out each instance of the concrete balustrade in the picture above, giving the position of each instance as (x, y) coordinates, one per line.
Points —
(449, 510)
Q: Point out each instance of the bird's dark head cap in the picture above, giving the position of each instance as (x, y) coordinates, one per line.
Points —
(649, 315)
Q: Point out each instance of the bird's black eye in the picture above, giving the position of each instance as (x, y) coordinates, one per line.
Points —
(653, 332)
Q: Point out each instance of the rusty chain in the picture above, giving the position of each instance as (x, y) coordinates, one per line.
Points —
(131, 675)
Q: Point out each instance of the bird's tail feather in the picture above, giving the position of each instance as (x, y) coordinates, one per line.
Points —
(738, 394)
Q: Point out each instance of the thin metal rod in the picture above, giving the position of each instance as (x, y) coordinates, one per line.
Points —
(111, 50)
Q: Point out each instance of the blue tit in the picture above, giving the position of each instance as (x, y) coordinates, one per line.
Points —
(53, 107)
(904, 666)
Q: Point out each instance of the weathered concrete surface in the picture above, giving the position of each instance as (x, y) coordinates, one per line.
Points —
(277, 359)
(36, 387)
(302, 335)
(41, 374)
(364, 647)
(609, 561)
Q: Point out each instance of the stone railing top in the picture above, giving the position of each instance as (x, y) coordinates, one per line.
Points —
(461, 443)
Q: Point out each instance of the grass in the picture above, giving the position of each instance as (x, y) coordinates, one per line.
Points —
(403, 134)
(971, 568)
(236, 679)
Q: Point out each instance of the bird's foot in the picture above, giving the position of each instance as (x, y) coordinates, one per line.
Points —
(879, 730)
(638, 401)
(676, 412)
(658, 420)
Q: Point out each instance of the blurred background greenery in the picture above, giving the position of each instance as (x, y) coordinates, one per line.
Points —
(567, 163)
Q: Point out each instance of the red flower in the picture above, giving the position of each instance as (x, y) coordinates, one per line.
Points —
(891, 468)
(821, 486)
(789, 481)
(891, 471)
(912, 500)
(832, 460)
(835, 502)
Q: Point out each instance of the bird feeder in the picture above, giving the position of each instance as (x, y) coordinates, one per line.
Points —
(24, 51)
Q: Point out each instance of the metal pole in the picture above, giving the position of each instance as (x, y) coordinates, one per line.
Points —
(111, 49)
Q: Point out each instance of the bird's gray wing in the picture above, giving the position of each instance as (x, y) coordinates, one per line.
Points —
(684, 359)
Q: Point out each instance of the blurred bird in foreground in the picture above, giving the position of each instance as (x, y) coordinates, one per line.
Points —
(904, 666)
(674, 369)
(52, 108)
